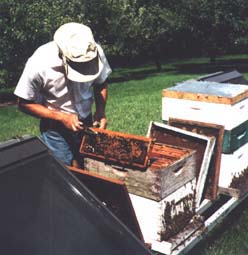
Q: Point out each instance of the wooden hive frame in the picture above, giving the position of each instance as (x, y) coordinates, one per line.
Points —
(203, 145)
(161, 170)
(210, 130)
(117, 148)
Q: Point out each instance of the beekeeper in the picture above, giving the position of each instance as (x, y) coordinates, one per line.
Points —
(59, 84)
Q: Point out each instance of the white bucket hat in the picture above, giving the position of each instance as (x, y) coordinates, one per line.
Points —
(79, 52)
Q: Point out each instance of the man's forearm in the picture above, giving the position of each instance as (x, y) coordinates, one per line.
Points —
(40, 111)
(101, 96)
(69, 120)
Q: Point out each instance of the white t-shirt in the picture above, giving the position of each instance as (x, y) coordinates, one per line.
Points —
(43, 81)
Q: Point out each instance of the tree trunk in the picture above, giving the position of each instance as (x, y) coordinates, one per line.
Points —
(158, 64)
(213, 59)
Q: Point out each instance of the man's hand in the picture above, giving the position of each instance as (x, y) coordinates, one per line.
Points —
(100, 122)
(72, 122)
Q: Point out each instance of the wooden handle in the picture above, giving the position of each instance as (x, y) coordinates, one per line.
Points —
(177, 171)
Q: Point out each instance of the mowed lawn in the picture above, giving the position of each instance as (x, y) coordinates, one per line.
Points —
(135, 99)
(131, 106)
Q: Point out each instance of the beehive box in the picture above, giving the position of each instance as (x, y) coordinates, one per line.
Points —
(206, 165)
(211, 102)
(240, 182)
(168, 167)
(235, 138)
(161, 220)
(233, 166)
(211, 131)
(162, 192)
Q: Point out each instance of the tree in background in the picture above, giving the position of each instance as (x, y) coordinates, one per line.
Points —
(138, 30)
(239, 35)
(25, 26)
(129, 30)
(211, 27)
(157, 31)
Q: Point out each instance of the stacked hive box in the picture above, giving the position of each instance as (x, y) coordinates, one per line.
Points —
(161, 182)
(218, 103)
(202, 144)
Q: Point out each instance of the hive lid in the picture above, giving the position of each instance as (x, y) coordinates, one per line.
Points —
(233, 77)
(117, 148)
(205, 91)
(113, 194)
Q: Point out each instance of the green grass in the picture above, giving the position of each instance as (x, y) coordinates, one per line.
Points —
(230, 237)
(15, 123)
(130, 108)
(133, 102)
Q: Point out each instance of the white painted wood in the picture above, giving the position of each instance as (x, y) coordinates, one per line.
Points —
(230, 192)
(205, 204)
(149, 216)
(204, 171)
(221, 213)
(205, 161)
(162, 247)
(149, 213)
(232, 165)
(205, 112)
(216, 218)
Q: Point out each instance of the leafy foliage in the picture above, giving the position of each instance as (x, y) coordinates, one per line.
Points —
(129, 30)
(212, 27)
(25, 25)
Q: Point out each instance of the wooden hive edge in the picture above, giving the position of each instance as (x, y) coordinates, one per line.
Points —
(204, 97)
(112, 160)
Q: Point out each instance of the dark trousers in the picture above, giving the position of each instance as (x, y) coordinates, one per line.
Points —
(63, 143)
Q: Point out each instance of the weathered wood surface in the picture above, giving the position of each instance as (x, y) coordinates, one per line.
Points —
(232, 139)
(229, 192)
(170, 168)
(116, 147)
(202, 144)
(204, 98)
(212, 92)
(210, 130)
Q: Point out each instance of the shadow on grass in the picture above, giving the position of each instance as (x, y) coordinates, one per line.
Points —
(138, 75)
(7, 98)
(175, 67)
(241, 65)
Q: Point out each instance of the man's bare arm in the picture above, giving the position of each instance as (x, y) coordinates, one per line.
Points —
(70, 121)
(101, 96)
